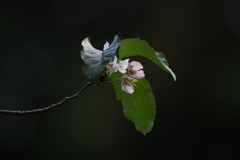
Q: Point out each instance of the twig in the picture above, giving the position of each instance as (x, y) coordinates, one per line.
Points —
(41, 110)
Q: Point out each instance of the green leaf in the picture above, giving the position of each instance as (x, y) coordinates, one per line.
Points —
(135, 47)
(96, 60)
(140, 106)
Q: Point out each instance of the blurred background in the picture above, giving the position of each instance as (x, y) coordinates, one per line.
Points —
(40, 64)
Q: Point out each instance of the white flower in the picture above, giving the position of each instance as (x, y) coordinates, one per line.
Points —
(127, 84)
(130, 77)
(131, 72)
(113, 66)
(123, 65)
(118, 65)
(134, 70)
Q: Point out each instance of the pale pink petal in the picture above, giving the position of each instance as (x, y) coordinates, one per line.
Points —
(136, 65)
(127, 88)
(113, 68)
(106, 45)
(138, 75)
(122, 70)
(115, 59)
(124, 63)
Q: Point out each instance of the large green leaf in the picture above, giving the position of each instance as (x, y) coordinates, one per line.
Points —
(140, 106)
(135, 47)
(96, 60)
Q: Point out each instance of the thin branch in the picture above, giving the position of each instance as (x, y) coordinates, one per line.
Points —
(41, 110)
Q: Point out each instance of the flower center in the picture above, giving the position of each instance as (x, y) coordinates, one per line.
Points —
(129, 81)
(109, 64)
(132, 71)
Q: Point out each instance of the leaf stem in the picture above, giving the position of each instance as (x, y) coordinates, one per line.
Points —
(41, 110)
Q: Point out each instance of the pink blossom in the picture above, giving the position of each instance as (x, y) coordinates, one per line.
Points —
(134, 70)
(113, 66)
(117, 65)
(127, 84)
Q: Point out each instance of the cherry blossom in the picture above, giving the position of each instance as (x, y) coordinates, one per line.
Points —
(134, 70)
(127, 84)
(131, 72)
(118, 65)
(113, 66)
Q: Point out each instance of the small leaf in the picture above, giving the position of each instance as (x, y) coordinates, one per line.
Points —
(96, 60)
(140, 106)
(135, 47)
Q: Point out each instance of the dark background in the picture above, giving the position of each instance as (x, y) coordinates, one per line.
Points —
(40, 64)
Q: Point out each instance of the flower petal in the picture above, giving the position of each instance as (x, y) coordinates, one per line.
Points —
(115, 59)
(122, 70)
(124, 63)
(106, 45)
(113, 67)
(138, 75)
(136, 65)
(127, 88)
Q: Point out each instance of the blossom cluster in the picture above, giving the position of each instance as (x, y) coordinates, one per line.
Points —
(131, 71)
